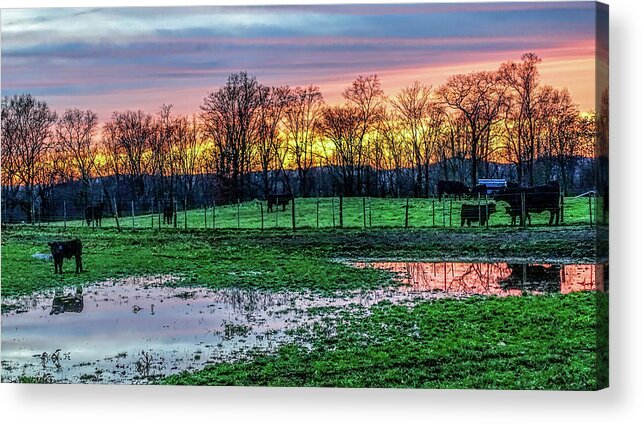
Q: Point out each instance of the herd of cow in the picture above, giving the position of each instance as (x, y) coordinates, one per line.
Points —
(522, 201)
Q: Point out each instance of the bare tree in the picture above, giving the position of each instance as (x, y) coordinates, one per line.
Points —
(478, 96)
(394, 150)
(75, 133)
(133, 133)
(367, 97)
(341, 126)
(523, 80)
(273, 103)
(422, 119)
(300, 126)
(187, 143)
(26, 132)
(229, 117)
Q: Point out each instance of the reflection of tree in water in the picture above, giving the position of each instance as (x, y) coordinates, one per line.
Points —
(451, 277)
(496, 278)
(62, 302)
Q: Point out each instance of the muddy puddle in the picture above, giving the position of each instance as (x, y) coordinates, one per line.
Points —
(136, 329)
(139, 328)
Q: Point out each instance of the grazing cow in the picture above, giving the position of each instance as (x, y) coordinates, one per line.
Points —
(514, 213)
(455, 188)
(95, 213)
(479, 189)
(537, 199)
(278, 200)
(66, 250)
(67, 302)
(168, 213)
(476, 213)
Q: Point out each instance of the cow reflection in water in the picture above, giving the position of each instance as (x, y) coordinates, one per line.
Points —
(540, 278)
(70, 302)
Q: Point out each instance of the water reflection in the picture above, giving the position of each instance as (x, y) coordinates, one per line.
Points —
(72, 302)
(499, 278)
(133, 329)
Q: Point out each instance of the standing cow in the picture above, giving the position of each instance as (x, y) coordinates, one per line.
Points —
(95, 213)
(454, 188)
(66, 250)
(168, 213)
(278, 200)
(476, 213)
(536, 199)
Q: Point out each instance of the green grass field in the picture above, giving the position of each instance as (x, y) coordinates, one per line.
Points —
(275, 259)
(379, 212)
(533, 342)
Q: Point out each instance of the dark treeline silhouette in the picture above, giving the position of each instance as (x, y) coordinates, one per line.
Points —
(252, 141)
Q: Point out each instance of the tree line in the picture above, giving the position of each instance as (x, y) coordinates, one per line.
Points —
(251, 139)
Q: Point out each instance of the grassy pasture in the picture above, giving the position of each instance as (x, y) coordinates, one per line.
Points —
(530, 342)
(379, 212)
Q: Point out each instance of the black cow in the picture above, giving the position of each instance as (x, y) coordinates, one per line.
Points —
(66, 250)
(455, 188)
(168, 213)
(67, 302)
(95, 213)
(514, 213)
(278, 200)
(479, 189)
(537, 199)
(475, 213)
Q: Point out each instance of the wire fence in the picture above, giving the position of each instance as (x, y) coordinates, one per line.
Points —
(323, 212)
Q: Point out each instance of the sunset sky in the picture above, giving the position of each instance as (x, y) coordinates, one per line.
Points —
(140, 58)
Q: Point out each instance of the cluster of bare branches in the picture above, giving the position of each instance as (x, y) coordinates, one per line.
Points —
(369, 144)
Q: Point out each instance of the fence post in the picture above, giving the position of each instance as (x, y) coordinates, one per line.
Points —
(185, 211)
(443, 212)
(133, 215)
(450, 216)
(370, 212)
(115, 213)
(406, 217)
(214, 215)
(433, 211)
(262, 222)
(175, 213)
(561, 207)
(487, 215)
(523, 209)
(364, 211)
(64, 213)
(334, 223)
(238, 213)
(317, 211)
(341, 211)
(479, 208)
(293, 216)
(590, 211)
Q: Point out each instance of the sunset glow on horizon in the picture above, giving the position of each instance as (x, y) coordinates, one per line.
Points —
(139, 58)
